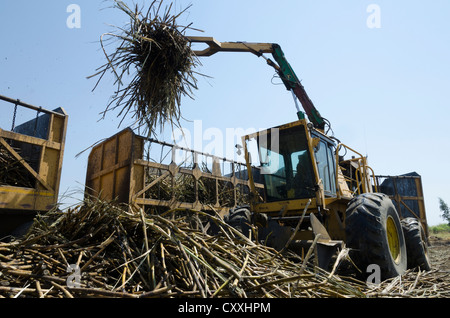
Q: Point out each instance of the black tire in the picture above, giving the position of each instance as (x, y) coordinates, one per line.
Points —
(416, 245)
(22, 229)
(374, 235)
(240, 219)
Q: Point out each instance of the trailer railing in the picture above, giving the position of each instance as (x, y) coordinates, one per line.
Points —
(157, 176)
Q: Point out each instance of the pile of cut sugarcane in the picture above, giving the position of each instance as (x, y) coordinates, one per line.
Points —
(414, 283)
(99, 249)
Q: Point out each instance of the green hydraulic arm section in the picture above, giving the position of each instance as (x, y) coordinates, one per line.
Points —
(282, 67)
(293, 84)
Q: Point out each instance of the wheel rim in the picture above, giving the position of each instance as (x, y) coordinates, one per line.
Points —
(393, 241)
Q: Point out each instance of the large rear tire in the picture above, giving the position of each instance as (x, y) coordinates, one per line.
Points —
(416, 245)
(374, 235)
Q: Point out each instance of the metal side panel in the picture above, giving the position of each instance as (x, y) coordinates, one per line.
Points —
(109, 166)
(407, 194)
(25, 199)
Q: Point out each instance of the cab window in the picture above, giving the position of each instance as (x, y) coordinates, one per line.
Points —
(326, 166)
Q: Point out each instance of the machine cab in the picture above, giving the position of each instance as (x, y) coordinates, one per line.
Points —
(295, 162)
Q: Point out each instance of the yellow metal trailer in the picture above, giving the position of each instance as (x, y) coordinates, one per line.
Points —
(147, 174)
(35, 151)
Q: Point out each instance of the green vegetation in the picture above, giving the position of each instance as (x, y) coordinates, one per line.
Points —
(441, 230)
(445, 210)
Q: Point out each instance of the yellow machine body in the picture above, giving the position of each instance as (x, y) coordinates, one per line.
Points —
(334, 179)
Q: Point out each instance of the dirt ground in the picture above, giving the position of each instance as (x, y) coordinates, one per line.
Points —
(439, 254)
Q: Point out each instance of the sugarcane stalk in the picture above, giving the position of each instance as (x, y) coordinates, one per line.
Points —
(102, 246)
(64, 290)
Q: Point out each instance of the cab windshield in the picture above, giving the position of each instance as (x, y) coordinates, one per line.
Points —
(286, 165)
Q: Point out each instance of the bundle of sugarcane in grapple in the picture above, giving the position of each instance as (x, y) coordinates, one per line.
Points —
(154, 50)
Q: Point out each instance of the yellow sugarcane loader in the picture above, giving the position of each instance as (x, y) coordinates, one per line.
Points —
(313, 192)
(305, 187)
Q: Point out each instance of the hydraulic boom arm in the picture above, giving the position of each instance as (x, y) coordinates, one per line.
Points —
(282, 67)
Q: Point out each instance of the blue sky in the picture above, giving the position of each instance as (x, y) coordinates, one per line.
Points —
(384, 90)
